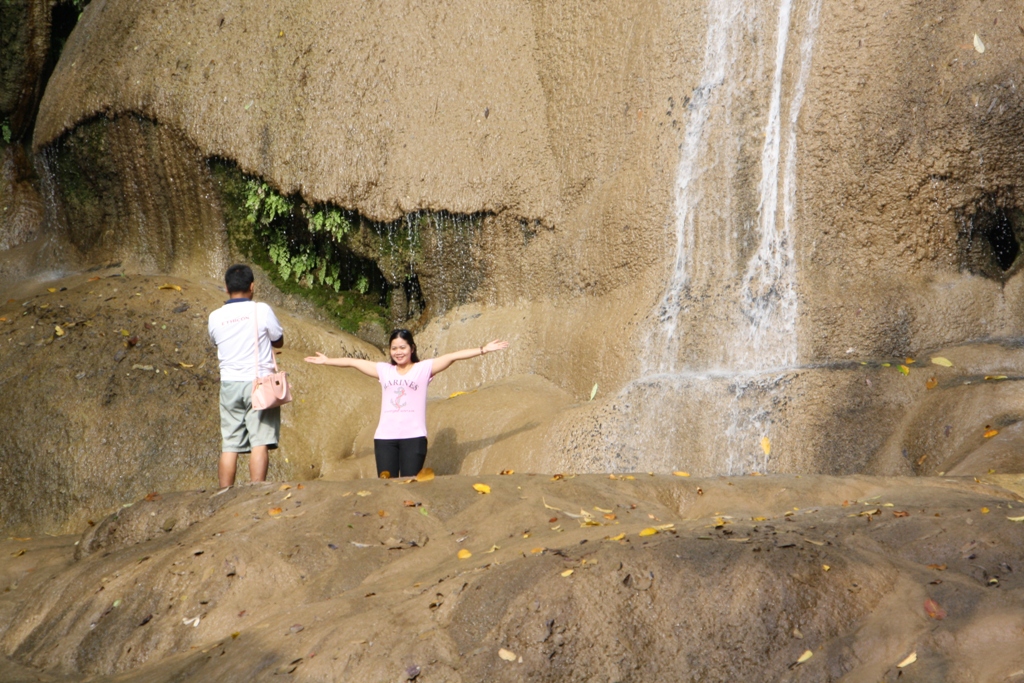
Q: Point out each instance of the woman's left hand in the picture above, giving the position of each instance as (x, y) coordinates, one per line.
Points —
(496, 345)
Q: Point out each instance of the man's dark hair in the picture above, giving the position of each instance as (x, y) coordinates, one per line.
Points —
(238, 278)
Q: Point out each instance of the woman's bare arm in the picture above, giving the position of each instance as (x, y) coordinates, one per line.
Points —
(442, 363)
(364, 366)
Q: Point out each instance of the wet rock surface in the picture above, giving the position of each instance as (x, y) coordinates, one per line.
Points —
(682, 579)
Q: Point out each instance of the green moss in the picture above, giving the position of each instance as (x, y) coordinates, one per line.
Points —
(302, 248)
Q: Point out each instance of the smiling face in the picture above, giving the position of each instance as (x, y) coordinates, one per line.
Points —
(401, 352)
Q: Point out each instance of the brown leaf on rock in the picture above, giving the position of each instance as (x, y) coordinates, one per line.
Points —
(934, 610)
(506, 472)
(931, 383)
(937, 567)
(274, 512)
(900, 513)
(153, 497)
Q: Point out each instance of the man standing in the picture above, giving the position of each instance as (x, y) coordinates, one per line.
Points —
(244, 332)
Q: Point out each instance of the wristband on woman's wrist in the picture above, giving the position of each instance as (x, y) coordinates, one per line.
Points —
(482, 351)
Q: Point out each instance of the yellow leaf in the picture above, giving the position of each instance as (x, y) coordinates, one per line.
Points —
(284, 487)
(825, 567)
(176, 288)
(58, 331)
(426, 474)
(681, 474)
(457, 393)
(995, 376)
(274, 512)
(362, 494)
(1016, 519)
(805, 656)
(912, 657)
(978, 45)
(886, 365)
(990, 433)
(507, 655)
(630, 477)
(904, 369)
(649, 531)
(493, 548)
(536, 551)
(758, 519)
(931, 383)
(944, 362)
(617, 538)
(185, 365)
(984, 511)
(482, 488)
(51, 290)
(601, 509)
(612, 476)
(609, 516)
(567, 572)
(504, 472)
(125, 333)
(465, 554)
(766, 445)
(910, 361)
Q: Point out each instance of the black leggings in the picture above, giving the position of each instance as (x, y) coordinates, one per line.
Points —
(400, 457)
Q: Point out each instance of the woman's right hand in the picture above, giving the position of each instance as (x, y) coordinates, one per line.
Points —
(318, 359)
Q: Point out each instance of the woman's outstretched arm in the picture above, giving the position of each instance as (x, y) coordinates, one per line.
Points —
(364, 366)
(441, 363)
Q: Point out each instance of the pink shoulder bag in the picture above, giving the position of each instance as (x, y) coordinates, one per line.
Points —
(271, 390)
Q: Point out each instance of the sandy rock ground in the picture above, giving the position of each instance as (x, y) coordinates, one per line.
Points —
(631, 578)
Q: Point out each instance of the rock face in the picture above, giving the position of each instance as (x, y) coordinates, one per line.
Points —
(705, 214)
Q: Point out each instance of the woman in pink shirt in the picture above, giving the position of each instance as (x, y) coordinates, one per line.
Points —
(400, 442)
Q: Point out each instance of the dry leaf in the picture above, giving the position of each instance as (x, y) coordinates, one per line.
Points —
(536, 551)
(385, 474)
(601, 509)
(284, 487)
(984, 511)
(805, 656)
(558, 477)
(176, 288)
(51, 290)
(362, 494)
(609, 516)
(912, 657)
(457, 393)
(185, 365)
(57, 330)
(900, 513)
(482, 488)
(990, 433)
(978, 45)
(681, 474)
(910, 361)
(464, 554)
(153, 496)
(409, 503)
(944, 362)
(616, 538)
(766, 445)
(629, 477)
(759, 519)
(493, 548)
(593, 392)
(934, 610)
(995, 376)
(274, 512)
(426, 474)
(649, 531)
(937, 567)
(886, 365)
(18, 553)
(825, 567)
(1016, 519)
(931, 383)
(567, 572)
(504, 472)
(507, 655)
(380, 513)
(920, 461)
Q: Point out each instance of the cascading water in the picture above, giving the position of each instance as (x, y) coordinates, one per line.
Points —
(718, 360)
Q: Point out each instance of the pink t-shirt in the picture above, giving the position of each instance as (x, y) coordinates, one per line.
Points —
(403, 405)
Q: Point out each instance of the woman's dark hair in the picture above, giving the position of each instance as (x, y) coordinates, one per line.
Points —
(238, 278)
(406, 336)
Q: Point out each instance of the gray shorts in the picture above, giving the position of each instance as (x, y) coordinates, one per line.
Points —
(241, 427)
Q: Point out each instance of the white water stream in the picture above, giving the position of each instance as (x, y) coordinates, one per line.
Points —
(721, 371)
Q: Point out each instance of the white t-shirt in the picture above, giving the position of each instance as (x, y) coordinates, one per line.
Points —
(232, 329)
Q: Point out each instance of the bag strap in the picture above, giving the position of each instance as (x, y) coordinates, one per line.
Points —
(256, 325)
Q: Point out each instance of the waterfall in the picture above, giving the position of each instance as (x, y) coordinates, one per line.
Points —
(724, 340)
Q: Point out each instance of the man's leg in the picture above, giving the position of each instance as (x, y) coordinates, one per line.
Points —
(258, 461)
(226, 468)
